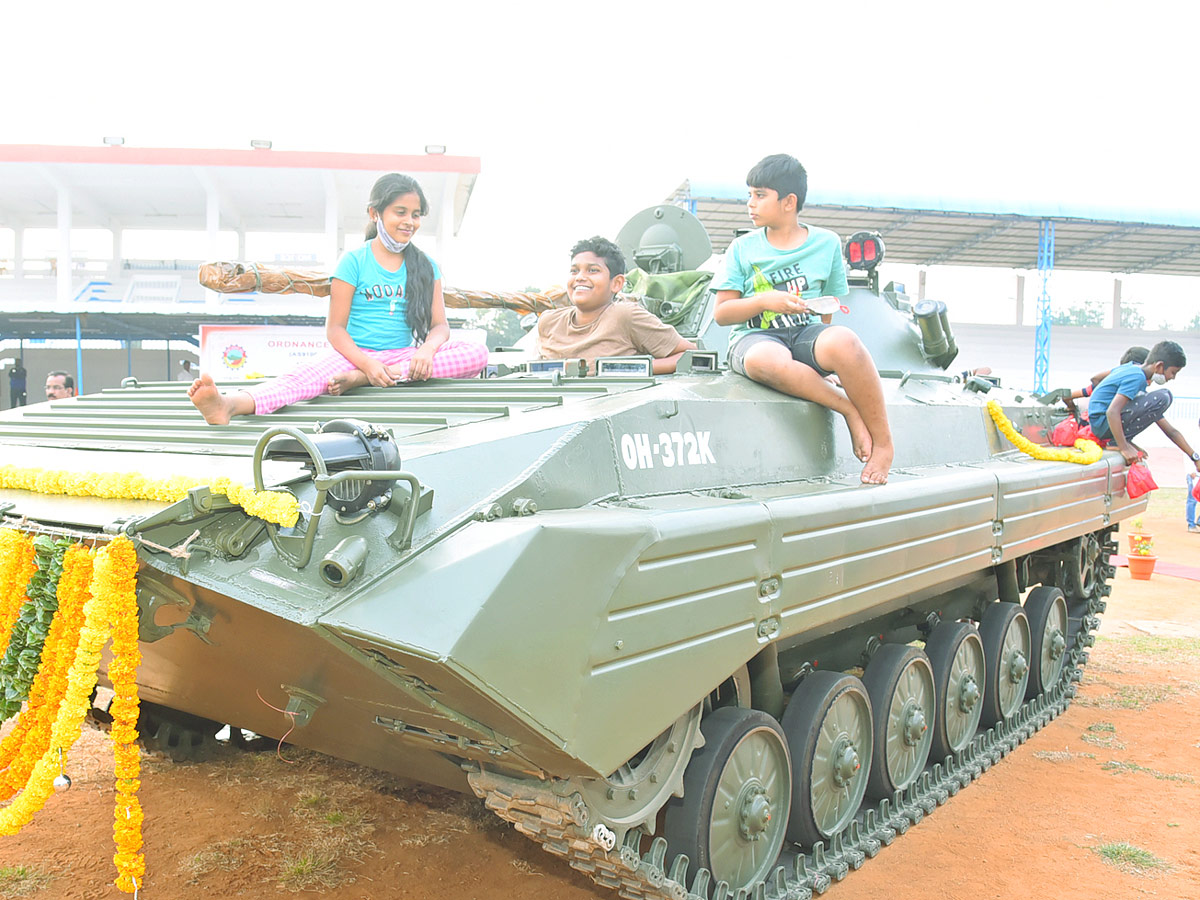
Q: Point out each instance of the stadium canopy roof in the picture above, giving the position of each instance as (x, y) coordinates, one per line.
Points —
(943, 231)
(256, 190)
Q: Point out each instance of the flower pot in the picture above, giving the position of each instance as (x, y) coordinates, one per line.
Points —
(1141, 567)
(1135, 536)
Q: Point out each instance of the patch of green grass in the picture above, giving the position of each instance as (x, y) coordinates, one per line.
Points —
(310, 869)
(225, 856)
(1102, 734)
(1151, 647)
(351, 817)
(311, 800)
(1114, 765)
(1129, 858)
(16, 881)
(1163, 502)
(1130, 696)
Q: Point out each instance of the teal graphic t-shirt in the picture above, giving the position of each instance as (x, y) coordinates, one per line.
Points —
(377, 313)
(814, 269)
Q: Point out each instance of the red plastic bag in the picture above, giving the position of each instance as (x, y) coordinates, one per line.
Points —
(1196, 488)
(1138, 481)
(1065, 433)
(1086, 433)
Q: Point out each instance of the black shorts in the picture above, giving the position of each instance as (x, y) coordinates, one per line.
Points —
(799, 341)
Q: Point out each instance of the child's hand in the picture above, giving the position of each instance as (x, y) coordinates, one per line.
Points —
(420, 366)
(782, 302)
(378, 374)
(1131, 454)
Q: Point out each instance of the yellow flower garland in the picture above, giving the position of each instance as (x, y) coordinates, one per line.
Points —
(1085, 451)
(278, 507)
(16, 568)
(111, 610)
(30, 737)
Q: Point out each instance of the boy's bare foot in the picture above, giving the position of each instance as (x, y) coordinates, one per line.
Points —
(860, 437)
(344, 381)
(213, 405)
(878, 465)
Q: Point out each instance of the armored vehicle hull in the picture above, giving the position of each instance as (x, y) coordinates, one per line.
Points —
(617, 608)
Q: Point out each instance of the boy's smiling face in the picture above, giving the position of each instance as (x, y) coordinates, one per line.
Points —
(590, 287)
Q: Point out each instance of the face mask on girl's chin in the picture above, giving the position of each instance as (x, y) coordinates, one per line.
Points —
(1158, 378)
(388, 241)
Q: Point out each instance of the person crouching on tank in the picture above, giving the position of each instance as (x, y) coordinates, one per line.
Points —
(777, 340)
(1120, 408)
(595, 325)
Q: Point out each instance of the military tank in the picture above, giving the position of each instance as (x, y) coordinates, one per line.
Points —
(656, 622)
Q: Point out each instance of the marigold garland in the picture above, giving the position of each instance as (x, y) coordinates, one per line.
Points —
(1085, 451)
(278, 507)
(16, 568)
(68, 674)
(21, 661)
(30, 736)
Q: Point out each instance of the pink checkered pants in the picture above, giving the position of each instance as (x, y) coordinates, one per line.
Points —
(454, 359)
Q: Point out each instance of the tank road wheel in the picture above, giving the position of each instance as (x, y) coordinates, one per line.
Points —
(828, 727)
(631, 797)
(1006, 647)
(1046, 609)
(899, 682)
(1081, 568)
(955, 652)
(736, 794)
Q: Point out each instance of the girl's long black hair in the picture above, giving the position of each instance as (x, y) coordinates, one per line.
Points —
(419, 289)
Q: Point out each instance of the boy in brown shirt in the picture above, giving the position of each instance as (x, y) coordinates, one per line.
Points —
(595, 326)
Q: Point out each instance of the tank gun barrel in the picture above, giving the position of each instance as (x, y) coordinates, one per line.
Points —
(244, 278)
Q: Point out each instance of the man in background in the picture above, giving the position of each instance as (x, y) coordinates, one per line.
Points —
(59, 385)
(16, 385)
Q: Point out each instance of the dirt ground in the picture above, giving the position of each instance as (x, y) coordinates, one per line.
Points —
(1115, 777)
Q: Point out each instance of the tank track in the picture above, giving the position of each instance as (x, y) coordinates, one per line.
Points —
(563, 824)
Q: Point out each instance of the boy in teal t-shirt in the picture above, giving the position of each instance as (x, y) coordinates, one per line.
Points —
(778, 290)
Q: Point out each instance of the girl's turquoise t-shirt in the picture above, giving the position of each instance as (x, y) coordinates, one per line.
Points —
(377, 311)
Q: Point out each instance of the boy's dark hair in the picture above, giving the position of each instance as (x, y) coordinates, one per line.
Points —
(68, 381)
(606, 250)
(1135, 354)
(783, 174)
(1169, 353)
(418, 311)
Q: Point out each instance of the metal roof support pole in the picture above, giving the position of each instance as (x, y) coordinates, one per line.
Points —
(18, 252)
(1116, 303)
(117, 235)
(63, 262)
(212, 222)
(1041, 352)
(331, 221)
(78, 356)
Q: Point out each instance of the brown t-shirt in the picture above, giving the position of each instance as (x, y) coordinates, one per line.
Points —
(622, 329)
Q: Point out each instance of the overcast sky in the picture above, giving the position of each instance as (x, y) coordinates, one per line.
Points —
(585, 113)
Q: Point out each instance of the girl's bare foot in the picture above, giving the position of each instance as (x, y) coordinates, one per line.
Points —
(216, 408)
(344, 381)
(878, 464)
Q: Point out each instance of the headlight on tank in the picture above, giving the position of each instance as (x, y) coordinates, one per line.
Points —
(346, 445)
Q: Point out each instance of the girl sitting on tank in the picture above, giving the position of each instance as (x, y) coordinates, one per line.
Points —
(386, 320)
